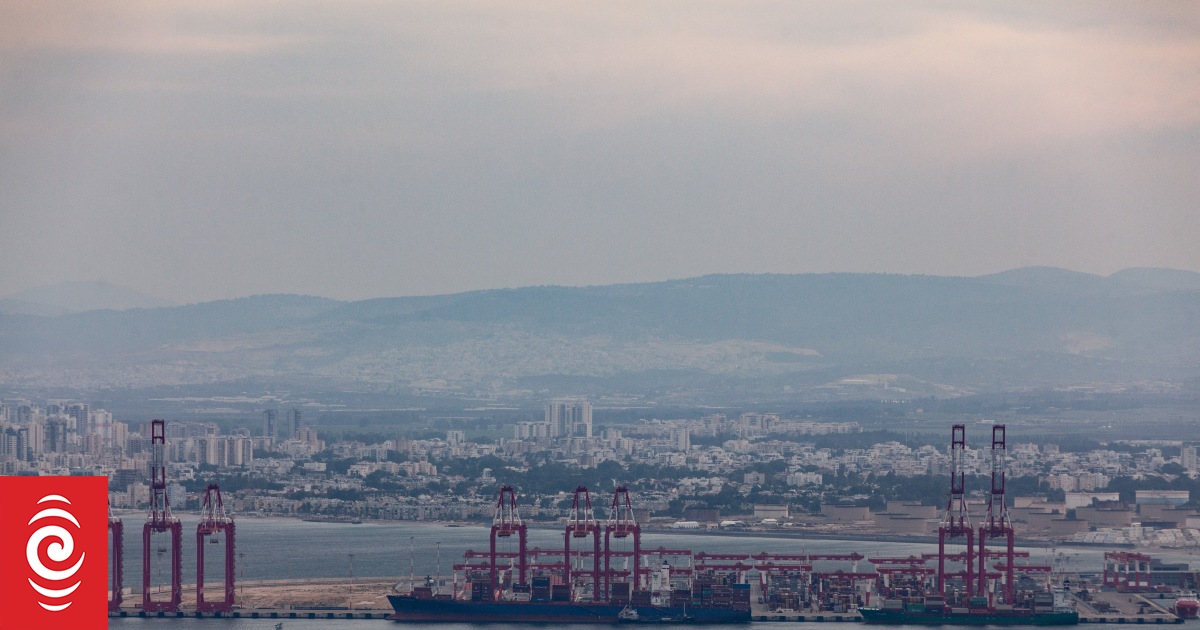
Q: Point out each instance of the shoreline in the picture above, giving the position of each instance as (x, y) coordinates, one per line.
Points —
(658, 529)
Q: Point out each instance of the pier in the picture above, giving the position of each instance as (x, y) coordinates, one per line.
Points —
(314, 598)
(259, 613)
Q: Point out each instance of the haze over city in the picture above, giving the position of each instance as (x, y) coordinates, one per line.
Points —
(196, 151)
(857, 311)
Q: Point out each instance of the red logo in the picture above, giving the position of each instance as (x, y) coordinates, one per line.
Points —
(54, 553)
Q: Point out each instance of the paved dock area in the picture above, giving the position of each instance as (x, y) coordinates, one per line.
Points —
(1123, 608)
(322, 598)
(260, 613)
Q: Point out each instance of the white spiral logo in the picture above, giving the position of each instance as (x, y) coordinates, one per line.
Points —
(59, 551)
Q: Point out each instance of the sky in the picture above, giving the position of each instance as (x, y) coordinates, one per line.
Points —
(354, 149)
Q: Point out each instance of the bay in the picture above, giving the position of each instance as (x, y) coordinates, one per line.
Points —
(278, 548)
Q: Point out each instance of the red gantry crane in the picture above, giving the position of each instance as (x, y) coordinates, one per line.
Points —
(580, 524)
(956, 521)
(117, 529)
(213, 521)
(621, 524)
(505, 523)
(997, 523)
(160, 520)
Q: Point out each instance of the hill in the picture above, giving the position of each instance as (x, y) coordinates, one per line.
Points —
(810, 335)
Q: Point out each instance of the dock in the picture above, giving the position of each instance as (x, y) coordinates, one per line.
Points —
(325, 599)
(258, 613)
(311, 598)
(1123, 608)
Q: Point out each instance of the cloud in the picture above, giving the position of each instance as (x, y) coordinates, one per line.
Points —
(952, 84)
(224, 147)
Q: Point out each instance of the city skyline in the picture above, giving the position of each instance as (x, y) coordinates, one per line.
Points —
(198, 152)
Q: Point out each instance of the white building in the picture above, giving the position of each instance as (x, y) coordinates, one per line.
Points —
(569, 417)
(1187, 457)
(804, 479)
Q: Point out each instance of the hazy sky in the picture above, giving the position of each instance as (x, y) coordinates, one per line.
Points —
(199, 150)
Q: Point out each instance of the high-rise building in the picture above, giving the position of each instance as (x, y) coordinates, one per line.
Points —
(224, 450)
(37, 438)
(681, 438)
(102, 426)
(120, 435)
(14, 443)
(269, 423)
(55, 440)
(569, 417)
(294, 417)
(308, 435)
(82, 415)
(1187, 457)
(531, 430)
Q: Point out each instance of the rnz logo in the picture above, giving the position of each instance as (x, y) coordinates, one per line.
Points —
(60, 551)
(54, 550)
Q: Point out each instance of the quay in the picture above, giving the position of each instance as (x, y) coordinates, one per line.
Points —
(759, 617)
(281, 599)
(259, 613)
(1123, 608)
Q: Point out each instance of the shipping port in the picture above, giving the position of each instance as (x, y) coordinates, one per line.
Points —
(603, 572)
(580, 585)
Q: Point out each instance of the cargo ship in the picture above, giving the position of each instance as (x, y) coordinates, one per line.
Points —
(579, 585)
(415, 607)
(544, 601)
(980, 618)
(933, 611)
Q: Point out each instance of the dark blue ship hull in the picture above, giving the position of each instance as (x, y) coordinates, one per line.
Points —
(432, 610)
(973, 618)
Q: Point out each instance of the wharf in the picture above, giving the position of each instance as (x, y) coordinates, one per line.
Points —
(311, 598)
(258, 613)
(758, 616)
(1123, 608)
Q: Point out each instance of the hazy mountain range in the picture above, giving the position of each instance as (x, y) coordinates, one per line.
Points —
(814, 335)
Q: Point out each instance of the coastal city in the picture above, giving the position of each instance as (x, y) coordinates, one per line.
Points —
(749, 472)
(341, 315)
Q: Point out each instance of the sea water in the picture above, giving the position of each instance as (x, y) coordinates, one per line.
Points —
(280, 548)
